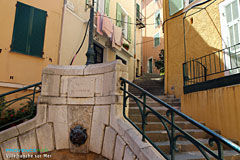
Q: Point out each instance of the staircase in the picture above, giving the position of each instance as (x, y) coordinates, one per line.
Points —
(156, 132)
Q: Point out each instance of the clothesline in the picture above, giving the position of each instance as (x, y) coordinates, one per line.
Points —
(123, 21)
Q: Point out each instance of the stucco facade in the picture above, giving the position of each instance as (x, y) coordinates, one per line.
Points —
(150, 8)
(217, 108)
(74, 25)
(19, 69)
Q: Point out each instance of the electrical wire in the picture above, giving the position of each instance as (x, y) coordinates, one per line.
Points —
(81, 43)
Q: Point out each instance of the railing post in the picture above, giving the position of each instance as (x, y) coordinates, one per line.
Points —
(124, 98)
(172, 141)
(144, 117)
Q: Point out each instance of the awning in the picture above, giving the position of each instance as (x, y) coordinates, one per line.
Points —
(194, 3)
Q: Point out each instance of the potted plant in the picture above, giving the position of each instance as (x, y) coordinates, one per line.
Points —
(126, 46)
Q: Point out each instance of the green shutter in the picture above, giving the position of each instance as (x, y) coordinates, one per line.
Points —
(119, 15)
(107, 4)
(38, 32)
(29, 30)
(138, 10)
(175, 6)
(129, 29)
(21, 28)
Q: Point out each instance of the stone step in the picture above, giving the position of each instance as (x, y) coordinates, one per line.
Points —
(151, 118)
(228, 155)
(156, 104)
(159, 136)
(186, 146)
(165, 99)
(156, 126)
(161, 110)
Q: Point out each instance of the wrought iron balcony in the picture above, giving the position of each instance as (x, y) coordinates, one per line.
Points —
(140, 19)
(218, 69)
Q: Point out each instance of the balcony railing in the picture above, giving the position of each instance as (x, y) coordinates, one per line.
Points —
(222, 66)
(140, 19)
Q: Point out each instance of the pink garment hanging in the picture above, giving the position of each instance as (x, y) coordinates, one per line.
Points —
(117, 37)
(107, 26)
(99, 23)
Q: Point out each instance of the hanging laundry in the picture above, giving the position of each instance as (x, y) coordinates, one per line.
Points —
(117, 37)
(107, 26)
(99, 23)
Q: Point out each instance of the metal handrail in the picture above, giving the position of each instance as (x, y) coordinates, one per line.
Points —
(29, 96)
(218, 139)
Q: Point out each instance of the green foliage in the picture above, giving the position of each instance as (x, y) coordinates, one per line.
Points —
(160, 63)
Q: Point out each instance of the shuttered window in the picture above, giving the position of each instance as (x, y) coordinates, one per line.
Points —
(138, 10)
(129, 29)
(29, 30)
(107, 5)
(119, 15)
(157, 19)
(156, 39)
(175, 6)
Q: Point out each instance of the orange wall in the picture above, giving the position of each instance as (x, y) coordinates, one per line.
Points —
(27, 69)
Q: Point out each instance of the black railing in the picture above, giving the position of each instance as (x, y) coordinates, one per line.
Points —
(18, 105)
(215, 65)
(140, 19)
(171, 127)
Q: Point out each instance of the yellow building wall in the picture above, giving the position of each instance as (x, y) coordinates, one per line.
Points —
(27, 69)
(217, 108)
(149, 51)
(74, 25)
(203, 36)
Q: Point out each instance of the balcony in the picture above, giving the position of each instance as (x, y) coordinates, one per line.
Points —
(218, 69)
(140, 19)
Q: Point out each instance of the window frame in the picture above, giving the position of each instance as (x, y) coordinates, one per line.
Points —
(155, 21)
(154, 39)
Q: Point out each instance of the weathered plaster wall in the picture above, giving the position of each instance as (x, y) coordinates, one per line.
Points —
(89, 96)
(203, 36)
(27, 69)
(217, 108)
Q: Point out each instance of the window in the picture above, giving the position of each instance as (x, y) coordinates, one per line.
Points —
(157, 39)
(138, 10)
(98, 53)
(157, 18)
(175, 6)
(102, 6)
(124, 21)
(29, 30)
(230, 24)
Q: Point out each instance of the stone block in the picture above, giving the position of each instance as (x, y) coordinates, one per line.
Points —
(98, 84)
(81, 101)
(10, 144)
(123, 127)
(57, 113)
(128, 154)
(64, 86)
(61, 135)
(109, 143)
(8, 133)
(102, 68)
(103, 100)
(109, 80)
(66, 70)
(28, 141)
(80, 115)
(52, 100)
(150, 153)
(119, 148)
(134, 140)
(45, 138)
(81, 87)
(115, 114)
(99, 120)
(38, 120)
(50, 85)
